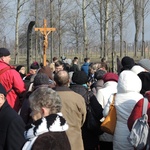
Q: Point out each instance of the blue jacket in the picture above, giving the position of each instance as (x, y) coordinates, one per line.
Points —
(85, 68)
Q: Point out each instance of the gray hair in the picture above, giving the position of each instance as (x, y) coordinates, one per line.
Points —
(45, 97)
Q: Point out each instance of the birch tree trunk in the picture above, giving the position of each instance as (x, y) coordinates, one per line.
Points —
(101, 30)
(51, 25)
(36, 33)
(143, 41)
(16, 61)
(113, 37)
(106, 29)
(137, 19)
(59, 26)
(85, 42)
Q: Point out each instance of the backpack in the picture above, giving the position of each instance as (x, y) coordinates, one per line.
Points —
(140, 129)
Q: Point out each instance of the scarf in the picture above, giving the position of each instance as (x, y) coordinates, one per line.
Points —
(53, 123)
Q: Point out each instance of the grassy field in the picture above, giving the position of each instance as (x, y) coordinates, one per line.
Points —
(95, 57)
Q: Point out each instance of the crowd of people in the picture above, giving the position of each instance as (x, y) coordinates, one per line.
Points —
(46, 108)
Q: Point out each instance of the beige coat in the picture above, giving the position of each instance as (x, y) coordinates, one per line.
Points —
(74, 111)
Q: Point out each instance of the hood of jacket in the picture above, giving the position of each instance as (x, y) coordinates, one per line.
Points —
(129, 82)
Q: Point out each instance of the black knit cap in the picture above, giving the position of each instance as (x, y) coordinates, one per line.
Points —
(2, 90)
(79, 77)
(4, 52)
(127, 63)
(19, 67)
(35, 65)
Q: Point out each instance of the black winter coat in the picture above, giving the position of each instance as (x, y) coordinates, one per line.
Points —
(90, 139)
(12, 129)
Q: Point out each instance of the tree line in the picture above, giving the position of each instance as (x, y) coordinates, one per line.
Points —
(82, 26)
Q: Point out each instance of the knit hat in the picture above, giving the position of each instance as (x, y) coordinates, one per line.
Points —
(79, 77)
(127, 63)
(99, 74)
(41, 78)
(19, 67)
(34, 65)
(4, 52)
(2, 90)
(145, 78)
(47, 71)
(110, 77)
(145, 63)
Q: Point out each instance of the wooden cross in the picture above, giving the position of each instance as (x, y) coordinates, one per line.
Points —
(45, 31)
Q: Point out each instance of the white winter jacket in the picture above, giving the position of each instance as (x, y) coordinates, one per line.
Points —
(129, 86)
(103, 95)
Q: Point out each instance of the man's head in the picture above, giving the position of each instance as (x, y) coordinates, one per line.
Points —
(62, 78)
(59, 66)
(80, 77)
(86, 60)
(5, 55)
(75, 60)
(47, 63)
(2, 95)
(41, 79)
(55, 59)
(34, 67)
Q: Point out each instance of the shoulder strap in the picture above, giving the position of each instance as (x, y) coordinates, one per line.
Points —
(3, 70)
(145, 104)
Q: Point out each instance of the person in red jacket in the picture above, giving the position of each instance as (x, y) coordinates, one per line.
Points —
(137, 111)
(138, 108)
(11, 80)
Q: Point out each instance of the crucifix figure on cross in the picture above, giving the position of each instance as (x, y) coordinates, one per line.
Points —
(45, 31)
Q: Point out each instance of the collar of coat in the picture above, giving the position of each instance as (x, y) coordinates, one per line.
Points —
(53, 123)
(62, 88)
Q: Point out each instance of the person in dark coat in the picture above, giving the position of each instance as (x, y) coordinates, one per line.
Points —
(90, 138)
(74, 66)
(12, 126)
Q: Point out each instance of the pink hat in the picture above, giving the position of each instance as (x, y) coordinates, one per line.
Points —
(110, 77)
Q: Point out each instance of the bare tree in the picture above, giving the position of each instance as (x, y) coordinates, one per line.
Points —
(75, 27)
(98, 13)
(138, 20)
(145, 10)
(85, 5)
(19, 6)
(122, 6)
